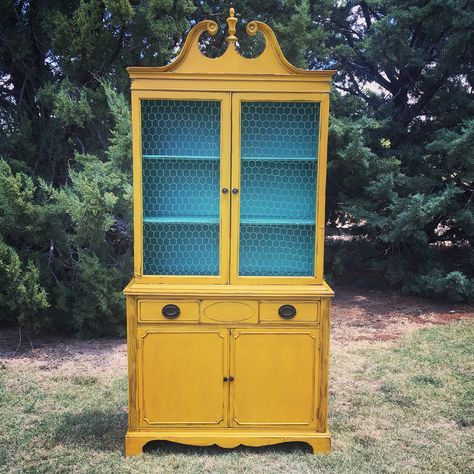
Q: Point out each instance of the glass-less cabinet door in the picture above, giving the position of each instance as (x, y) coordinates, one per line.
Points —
(276, 148)
(184, 164)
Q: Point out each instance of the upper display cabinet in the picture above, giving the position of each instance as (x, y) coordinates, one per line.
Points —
(229, 166)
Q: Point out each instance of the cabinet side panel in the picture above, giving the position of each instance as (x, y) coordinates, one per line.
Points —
(322, 409)
(132, 367)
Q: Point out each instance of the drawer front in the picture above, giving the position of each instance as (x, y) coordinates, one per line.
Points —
(289, 311)
(229, 311)
(151, 310)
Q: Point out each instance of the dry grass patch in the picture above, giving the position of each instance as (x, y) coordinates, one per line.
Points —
(398, 407)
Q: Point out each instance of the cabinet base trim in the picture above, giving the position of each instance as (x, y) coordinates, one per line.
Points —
(135, 440)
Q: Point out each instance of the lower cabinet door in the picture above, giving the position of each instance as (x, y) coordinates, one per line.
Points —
(274, 377)
(181, 376)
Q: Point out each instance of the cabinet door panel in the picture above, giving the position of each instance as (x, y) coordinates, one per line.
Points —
(181, 163)
(274, 374)
(181, 377)
(278, 160)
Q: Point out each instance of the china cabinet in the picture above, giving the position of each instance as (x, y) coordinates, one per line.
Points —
(228, 311)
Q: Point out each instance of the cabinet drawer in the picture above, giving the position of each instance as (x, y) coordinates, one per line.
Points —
(176, 310)
(289, 311)
(229, 311)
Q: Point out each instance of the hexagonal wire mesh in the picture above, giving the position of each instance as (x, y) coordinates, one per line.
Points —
(279, 151)
(181, 152)
(279, 142)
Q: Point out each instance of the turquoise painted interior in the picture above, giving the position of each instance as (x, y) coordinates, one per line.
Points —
(181, 187)
(283, 190)
(181, 128)
(175, 187)
(285, 130)
(180, 248)
(276, 250)
(181, 175)
(279, 152)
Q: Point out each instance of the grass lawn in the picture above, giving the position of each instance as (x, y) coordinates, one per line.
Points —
(398, 406)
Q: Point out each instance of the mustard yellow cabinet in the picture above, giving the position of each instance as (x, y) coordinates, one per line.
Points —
(228, 310)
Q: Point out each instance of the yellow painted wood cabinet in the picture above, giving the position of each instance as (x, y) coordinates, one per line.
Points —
(228, 310)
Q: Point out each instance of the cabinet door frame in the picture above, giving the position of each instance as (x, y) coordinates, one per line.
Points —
(312, 332)
(323, 100)
(224, 219)
(143, 332)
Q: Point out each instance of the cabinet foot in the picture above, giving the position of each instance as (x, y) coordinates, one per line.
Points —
(136, 440)
(320, 445)
(134, 444)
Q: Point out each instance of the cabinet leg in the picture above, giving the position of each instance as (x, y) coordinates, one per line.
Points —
(320, 445)
(134, 446)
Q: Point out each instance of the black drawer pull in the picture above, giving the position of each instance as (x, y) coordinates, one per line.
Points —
(287, 311)
(171, 311)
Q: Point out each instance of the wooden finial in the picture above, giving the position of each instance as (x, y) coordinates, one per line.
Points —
(231, 22)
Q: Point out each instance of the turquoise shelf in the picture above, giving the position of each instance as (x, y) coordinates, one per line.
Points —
(181, 220)
(217, 158)
(279, 158)
(276, 221)
(179, 157)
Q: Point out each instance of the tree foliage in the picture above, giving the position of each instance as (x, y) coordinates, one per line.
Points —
(406, 83)
(401, 166)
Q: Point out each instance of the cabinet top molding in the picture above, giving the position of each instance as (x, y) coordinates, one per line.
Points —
(192, 61)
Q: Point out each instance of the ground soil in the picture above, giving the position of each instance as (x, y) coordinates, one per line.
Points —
(358, 316)
(371, 315)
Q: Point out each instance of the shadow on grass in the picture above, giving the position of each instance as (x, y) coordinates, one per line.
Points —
(105, 431)
(101, 430)
(168, 447)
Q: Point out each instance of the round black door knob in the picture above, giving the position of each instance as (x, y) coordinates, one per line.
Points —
(287, 311)
(171, 311)
(235, 191)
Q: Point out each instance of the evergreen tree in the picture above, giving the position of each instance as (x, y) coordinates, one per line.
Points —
(405, 192)
(401, 175)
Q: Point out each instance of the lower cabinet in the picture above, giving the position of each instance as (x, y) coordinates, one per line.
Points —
(246, 377)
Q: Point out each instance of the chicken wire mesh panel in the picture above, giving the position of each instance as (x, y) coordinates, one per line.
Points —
(276, 250)
(279, 149)
(181, 183)
(180, 249)
(181, 128)
(285, 130)
(184, 188)
(278, 189)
